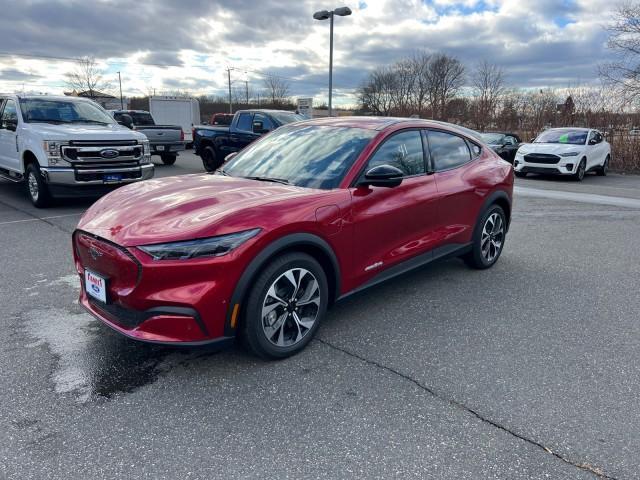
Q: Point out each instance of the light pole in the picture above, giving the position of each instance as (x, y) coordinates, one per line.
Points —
(324, 15)
(121, 102)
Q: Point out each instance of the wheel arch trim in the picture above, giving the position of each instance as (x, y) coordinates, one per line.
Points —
(288, 242)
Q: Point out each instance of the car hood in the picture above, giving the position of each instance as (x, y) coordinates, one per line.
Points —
(552, 148)
(181, 208)
(84, 132)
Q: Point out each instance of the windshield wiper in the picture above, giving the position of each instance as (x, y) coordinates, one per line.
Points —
(47, 120)
(89, 121)
(269, 179)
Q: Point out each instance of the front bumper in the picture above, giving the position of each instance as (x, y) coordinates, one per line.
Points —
(68, 176)
(564, 167)
(171, 302)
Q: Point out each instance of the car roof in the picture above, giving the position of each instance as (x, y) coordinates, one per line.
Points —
(51, 97)
(382, 123)
(580, 129)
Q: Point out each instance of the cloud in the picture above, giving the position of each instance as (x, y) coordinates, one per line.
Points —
(188, 45)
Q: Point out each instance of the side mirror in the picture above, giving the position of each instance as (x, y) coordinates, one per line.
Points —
(383, 176)
(258, 127)
(593, 141)
(11, 125)
(230, 156)
(126, 121)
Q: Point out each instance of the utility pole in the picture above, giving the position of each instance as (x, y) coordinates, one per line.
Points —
(330, 63)
(246, 90)
(229, 79)
(121, 102)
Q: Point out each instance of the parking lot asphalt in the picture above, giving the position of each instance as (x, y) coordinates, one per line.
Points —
(528, 370)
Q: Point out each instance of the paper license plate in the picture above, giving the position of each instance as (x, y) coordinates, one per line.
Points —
(95, 285)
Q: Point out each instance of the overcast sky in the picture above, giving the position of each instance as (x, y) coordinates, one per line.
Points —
(542, 43)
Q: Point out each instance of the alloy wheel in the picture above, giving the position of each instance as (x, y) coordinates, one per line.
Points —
(34, 190)
(290, 307)
(492, 237)
(581, 170)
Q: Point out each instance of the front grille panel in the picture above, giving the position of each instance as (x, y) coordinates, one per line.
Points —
(78, 155)
(543, 158)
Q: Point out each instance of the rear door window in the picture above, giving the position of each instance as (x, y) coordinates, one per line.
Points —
(245, 122)
(447, 150)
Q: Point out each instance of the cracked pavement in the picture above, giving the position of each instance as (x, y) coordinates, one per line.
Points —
(528, 370)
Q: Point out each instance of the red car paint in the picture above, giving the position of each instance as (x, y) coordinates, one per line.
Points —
(368, 229)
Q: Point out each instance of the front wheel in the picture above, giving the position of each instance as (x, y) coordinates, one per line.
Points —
(37, 189)
(285, 306)
(582, 169)
(168, 159)
(488, 239)
(604, 169)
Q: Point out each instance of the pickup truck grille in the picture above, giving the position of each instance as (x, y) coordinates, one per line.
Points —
(106, 154)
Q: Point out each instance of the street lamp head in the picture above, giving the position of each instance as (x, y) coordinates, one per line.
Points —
(342, 11)
(322, 15)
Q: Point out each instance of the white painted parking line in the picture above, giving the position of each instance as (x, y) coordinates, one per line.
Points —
(37, 219)
(578, 197)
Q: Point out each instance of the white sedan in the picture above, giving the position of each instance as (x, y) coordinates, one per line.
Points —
(564, 151)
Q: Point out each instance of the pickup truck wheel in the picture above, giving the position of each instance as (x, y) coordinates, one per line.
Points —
(210, 159)
(169, 158)
(36, 187)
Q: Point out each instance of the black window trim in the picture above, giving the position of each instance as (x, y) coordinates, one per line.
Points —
(425, 162)
(472, 158)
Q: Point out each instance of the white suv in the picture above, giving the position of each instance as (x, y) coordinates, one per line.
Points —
(564, 151)
(67, 146)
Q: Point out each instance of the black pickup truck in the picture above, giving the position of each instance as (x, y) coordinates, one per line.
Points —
(214, 143)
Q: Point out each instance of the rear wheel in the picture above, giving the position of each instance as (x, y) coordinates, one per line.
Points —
(168, 158)
(285, 306)
(488, 239)
(37, 189)
(602, 171)
(210, 159)
(582, 169)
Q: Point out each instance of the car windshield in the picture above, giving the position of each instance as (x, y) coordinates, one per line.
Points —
(62, 111)
(304, 155)
(570, 137)
(286, 117)
(493, 138)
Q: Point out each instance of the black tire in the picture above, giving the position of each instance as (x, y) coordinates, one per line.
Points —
(37, 189)
(254, 321)
(602, 171)
(580, 172)
(168, 158)
(210, 160)
(520, 174)
(477, 257)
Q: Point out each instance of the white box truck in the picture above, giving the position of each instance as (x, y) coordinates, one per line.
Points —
(183, 111)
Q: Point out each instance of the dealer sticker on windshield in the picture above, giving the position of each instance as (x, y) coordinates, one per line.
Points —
(95, 285)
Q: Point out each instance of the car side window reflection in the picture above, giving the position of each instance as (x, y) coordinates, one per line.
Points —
(403, 151)
(447, 150)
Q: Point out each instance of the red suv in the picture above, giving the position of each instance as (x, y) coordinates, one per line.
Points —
(303, 217)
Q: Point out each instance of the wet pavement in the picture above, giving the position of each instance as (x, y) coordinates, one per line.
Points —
(528, 370)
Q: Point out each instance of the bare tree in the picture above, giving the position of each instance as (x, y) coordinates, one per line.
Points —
(377, 94)
(624, 42)
(87, 77)
(445, 78)
(488, 86)
(277, 89)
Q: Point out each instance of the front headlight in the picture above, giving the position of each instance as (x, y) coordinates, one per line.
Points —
(202, 247)
(53, 151)
(570, 154)
(146, 151)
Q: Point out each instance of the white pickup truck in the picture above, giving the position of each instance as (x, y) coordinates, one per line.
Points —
(66, 147)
